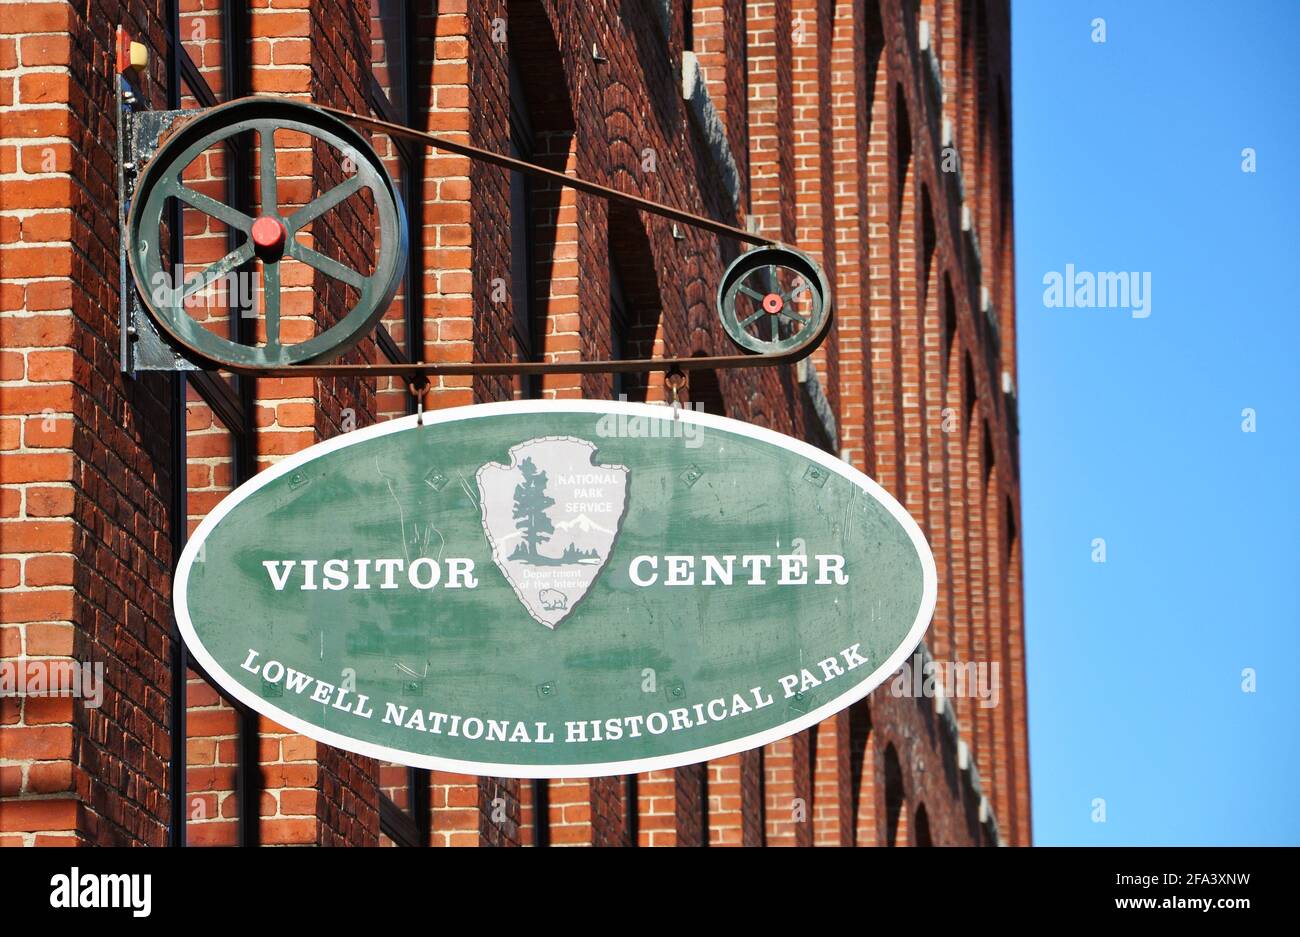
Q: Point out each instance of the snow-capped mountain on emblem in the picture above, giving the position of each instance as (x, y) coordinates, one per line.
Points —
(551, 517)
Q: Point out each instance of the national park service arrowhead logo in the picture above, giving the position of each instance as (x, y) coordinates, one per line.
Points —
(551, 517)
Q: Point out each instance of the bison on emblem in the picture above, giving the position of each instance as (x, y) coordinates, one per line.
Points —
(553, 599)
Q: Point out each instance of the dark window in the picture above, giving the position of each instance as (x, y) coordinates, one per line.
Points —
(634, 303)
(393, 97)
(968, 378)
(541, 131)
(812, 771)
(527, 347)
(893, 796)
(541, 791)
(213, 766)
(929, 239)
(704, 391)
(990, 456)
(403, 791)
(631, 809)
(904, 138)
(922, 837)
(949, 336)
(625, 385)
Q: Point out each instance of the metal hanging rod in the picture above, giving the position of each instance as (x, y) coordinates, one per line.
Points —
(541, 172)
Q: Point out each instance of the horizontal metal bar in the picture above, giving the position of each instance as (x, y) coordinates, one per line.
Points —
(435, 369)
(572, 182)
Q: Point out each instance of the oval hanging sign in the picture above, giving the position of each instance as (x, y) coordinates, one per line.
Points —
(555, 589)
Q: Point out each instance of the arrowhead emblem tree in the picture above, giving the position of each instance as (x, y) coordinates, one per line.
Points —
(531, 505)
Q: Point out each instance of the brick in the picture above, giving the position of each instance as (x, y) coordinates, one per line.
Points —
(36, 536)
(39, 743)
(30, 815)
(49, 502)
(48, 571)
(43, 88)
(48, 434)
(18, 468)
(45, 50)
(36, 606)
(28, 331)
(49, 639)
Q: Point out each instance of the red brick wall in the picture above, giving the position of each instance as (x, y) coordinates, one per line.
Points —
(837, 139)
(86, 467)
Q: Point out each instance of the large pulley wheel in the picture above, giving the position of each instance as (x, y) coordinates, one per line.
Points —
(270, 238)
(774, 300)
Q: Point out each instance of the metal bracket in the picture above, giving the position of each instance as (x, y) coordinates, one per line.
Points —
(149, 344)
(141, 347)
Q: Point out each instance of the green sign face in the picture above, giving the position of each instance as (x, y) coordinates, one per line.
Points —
(555, 589)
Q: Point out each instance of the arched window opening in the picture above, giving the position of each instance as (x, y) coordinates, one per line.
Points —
(922, 834)
(541, 131)
(990, 455)
(894, 797)
(929, 240)
(949, 336)
(634, 302)
(862, 778)
(903, 159)
(1012, 531)
(527, 344)
(968, 380)
(704, 392)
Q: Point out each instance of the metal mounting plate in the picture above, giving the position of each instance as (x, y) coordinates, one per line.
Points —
(141, 346)
(266, 238)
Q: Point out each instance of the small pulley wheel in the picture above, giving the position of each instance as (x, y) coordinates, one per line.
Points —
(774, 300)
(270, 237)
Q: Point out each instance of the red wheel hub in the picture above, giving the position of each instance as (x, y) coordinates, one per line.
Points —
(268, 235)
(773, 304)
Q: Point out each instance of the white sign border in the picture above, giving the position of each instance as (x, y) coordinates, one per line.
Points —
(599, 769)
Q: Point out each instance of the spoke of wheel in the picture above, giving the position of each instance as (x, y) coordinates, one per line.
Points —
(757, 315)
(270, 196)
(331, 268)
(775, 322)
(320, 205)
(271, 303)
(752, 294)
(797, 324)
(210, 206)
(215, 271)
(773, 282)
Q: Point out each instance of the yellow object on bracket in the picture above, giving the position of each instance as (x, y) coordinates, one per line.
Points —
(130, 54)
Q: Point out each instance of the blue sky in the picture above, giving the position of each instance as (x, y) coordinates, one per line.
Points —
(1128, 157)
